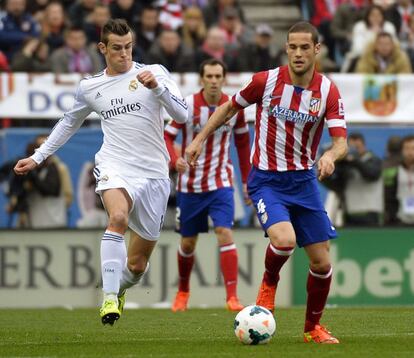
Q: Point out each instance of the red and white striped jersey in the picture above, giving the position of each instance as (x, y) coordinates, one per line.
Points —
(290, 119)
(214, 169)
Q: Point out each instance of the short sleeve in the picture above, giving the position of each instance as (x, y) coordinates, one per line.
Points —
(252, 91)
(335, 113)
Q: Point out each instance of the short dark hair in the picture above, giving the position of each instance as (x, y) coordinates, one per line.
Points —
(357, 136)
(407, 139)
(114, 26)
(384, 34)
(304, 27)
(212, 62)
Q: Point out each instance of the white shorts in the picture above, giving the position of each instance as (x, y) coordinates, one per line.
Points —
(149, 199)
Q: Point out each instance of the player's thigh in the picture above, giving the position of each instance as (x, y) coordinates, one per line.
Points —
(221, 208)
(116, 199)
(311, 226)
(150, 204)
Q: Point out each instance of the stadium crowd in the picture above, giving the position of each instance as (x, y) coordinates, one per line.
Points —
(365, 36)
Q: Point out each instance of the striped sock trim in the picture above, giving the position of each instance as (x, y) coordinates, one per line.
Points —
(182, 253)
(281, 252)
(318, 275)
(113, 236)
(225, 248)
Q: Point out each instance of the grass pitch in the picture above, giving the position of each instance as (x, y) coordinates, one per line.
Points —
(363, 332)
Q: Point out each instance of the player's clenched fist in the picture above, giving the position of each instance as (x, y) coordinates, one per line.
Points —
(147, 79)
(23, 166)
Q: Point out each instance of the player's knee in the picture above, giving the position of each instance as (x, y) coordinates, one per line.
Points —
(188, 246)
(137, 266)
(320, 266)
(224, 235)
(118, 220)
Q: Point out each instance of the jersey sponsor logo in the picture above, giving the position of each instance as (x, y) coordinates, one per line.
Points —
(286, 114)
(133, 85)
(116, 110)
(315, 105)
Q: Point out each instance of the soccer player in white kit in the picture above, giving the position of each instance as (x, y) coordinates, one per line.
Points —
(132, 164)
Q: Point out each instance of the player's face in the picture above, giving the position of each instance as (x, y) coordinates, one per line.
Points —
(301, 52)
(408, 152)
(213, 79)
(118, 53)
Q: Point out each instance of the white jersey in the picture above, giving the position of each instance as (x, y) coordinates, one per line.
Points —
(131, 120)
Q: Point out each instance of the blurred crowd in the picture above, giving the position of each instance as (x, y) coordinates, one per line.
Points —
(60, 36)
(366, 190)
(364, 36)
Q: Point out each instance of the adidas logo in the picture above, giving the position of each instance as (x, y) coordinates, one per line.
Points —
(98, 95)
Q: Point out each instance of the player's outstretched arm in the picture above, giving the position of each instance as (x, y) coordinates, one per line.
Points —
(326, 164)
(220, 116)
(23, 166)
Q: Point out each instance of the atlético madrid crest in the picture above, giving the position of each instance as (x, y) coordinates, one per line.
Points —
(315, 105)
(380, 94)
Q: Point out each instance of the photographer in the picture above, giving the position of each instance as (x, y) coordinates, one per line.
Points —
(357, 181)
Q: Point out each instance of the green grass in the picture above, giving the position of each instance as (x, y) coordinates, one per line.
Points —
(364, 332)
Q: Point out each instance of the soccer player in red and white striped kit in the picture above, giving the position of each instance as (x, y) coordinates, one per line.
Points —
(293, 103)
(207, 190)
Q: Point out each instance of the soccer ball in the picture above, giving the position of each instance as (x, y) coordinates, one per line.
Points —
(254, 325)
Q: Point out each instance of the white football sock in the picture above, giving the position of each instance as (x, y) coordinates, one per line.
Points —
(113, 255)
(130, 279)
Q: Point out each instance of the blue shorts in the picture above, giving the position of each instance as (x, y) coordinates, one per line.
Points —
(193, 210)
(291, 196)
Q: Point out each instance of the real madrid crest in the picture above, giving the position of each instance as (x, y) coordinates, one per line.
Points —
(133, 85)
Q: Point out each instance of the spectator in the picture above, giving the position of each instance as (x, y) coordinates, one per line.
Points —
(393, 155)
(214, 47)
(237, 34)
(46, 200)
(33, 57)
(148, 28)
(409, 43)
(399, 14)
(93, 214)
(80, 11)
(346, 15)
(126, 9)
(364, 32)
(96, 21)
(358, 182)
(260, 56)
(214, 10)
(16, 25)
(384, 56)
(171, 14)
(169, 52)
(399, 187)
(54, 25)
(75, 56)
(37, 9)
(193, 31)
(321, 14)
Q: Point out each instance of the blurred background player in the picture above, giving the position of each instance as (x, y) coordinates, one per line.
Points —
(132, 165)
(206, 190)
(293, 103)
